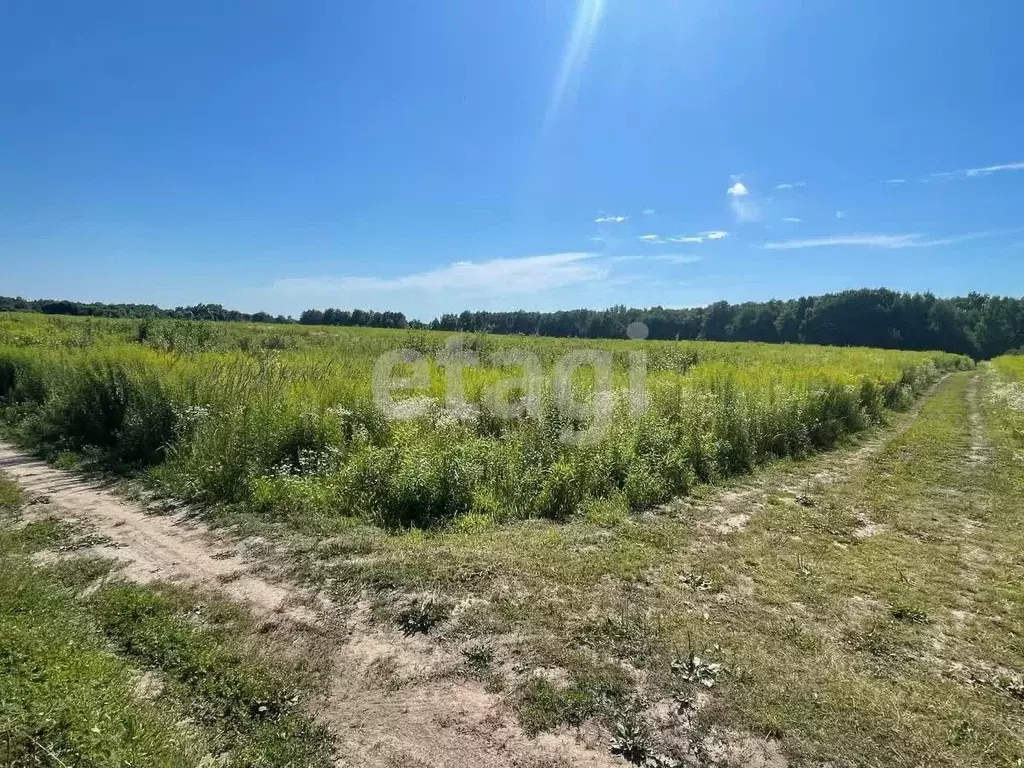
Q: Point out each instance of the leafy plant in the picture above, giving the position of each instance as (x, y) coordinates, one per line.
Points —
(694, 669)
(908, 612)
(479, 656)
(422, 615)
(631, 740)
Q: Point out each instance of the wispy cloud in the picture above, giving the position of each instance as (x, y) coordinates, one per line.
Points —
(840, 214)
(649, 211)
(994, 169)
(495, 277)
(969, 173)
(967, 237)
(895, 181)
(872, 241)
(743, 206)
(915, 240)
(651, 238)
(611, 219)
(715, 234)
(791, 185)
(676, 258)
(792, 219)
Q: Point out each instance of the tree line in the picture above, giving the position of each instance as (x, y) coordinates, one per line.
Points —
(135, 311)
(978, 325)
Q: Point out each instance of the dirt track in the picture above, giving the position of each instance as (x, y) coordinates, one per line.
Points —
(430, 720)
(150, 547)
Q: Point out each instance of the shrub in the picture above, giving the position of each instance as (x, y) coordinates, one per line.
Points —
(124, 413)
(561, 494)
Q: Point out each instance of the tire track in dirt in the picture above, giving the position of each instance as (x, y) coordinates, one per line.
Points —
(731, 509)
(430, 719)
(980, 447)
(152, 547)
(977, 459)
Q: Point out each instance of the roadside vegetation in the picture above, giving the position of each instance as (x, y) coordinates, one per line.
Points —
(99, 672)
(284, 426)
(1009, 382)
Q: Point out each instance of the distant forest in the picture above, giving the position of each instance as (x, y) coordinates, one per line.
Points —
(978, 325)
(137, 311)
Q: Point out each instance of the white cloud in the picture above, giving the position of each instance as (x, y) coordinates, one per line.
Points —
(879, 241)
(495, 277)
(625, 258)
(676, 258)
(792, 219)
(840, 214)
(714, 234)
(872, 241)
(952, 239)
(791, 185)
(743, 207)
(610, 219)
(969, 173)
(649, 211)
(651, 238)
(994, 169)
(895, 181)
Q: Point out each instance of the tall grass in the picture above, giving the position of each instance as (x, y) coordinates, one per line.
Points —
(1007, 388)
(1011, 366)
(281, 422)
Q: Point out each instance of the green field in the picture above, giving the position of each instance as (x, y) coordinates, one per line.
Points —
(794, 556)
(282, 421)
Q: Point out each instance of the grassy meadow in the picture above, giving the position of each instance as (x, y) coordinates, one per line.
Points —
(282, 421)
(862, 607)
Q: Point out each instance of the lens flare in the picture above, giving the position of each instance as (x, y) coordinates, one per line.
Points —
(581, 38)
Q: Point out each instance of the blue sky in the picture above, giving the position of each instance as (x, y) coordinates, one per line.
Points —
(542, 154)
